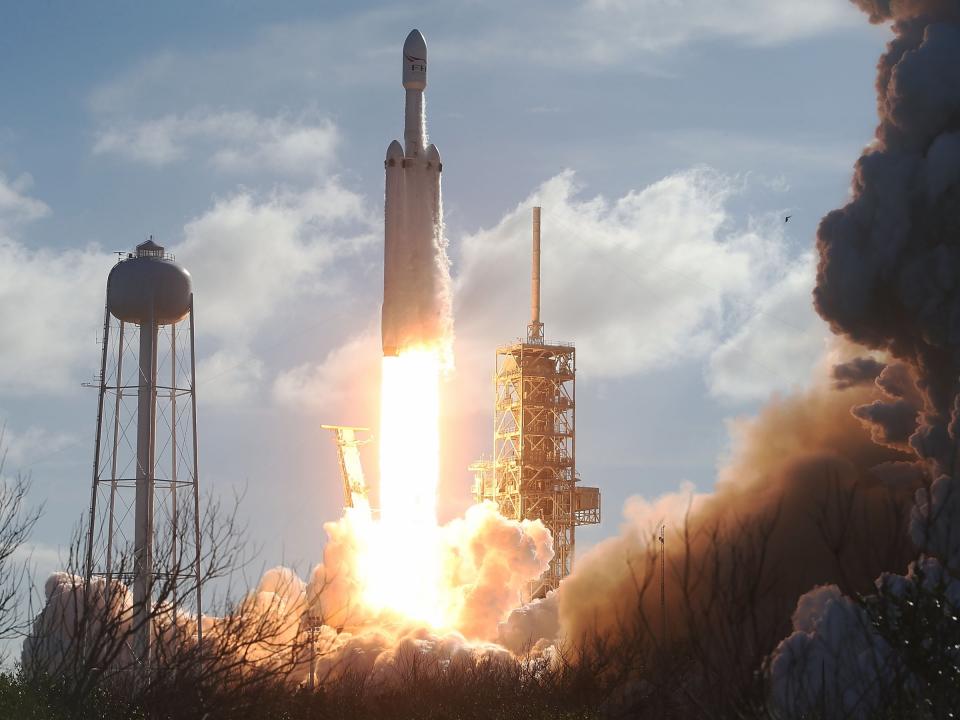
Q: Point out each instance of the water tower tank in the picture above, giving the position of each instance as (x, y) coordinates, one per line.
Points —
(149, 284)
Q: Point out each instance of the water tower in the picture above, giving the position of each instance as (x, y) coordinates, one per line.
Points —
(144, 524)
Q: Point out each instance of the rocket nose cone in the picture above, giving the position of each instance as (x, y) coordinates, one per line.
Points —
(394, 154)
(415, 61)
(415, 45)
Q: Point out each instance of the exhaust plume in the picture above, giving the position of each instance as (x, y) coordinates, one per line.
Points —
(772, 516)
(887, 278)
(889, 259)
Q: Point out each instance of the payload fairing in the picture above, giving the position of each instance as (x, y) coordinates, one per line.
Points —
(415, 263)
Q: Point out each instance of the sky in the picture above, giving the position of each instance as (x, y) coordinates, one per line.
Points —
(665, 139)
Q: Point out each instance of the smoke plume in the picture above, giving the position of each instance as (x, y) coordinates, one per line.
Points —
(487, 560)
(775, 517)
(887, 278)
(889, 259)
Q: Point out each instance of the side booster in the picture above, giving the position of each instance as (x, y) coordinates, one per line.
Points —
(413, 242)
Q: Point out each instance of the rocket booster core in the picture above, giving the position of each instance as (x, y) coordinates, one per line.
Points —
(414, 259)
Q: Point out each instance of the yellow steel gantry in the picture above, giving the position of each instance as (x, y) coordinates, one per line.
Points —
(533, 472)
(348, 455)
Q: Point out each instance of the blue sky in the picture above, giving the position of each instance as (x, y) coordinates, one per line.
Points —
(665, 140)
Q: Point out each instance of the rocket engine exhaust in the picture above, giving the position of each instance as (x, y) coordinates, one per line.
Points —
(415, 310)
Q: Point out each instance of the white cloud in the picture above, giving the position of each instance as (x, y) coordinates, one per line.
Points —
(17, 207)
(30, 445)
(350, 51)
(249, 256)
(42, 559)
(253, 257)
(641, 281)
(658, 276)
(230, 141)
(48, 315)
(342, 389)
(778, 343)
(228, 377)
(613, 29)
(749, 149)
(47, 325)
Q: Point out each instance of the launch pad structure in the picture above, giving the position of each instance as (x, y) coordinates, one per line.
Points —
(348, 457)
(533, 473)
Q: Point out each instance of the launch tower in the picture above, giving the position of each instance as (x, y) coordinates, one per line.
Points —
(533, 473)
(144, 518)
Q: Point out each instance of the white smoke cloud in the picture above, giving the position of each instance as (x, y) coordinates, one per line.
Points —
(836, 659)
(230, 141)
(487, 560)
(531, 626)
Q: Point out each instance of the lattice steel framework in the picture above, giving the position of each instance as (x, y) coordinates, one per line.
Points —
(533, 472)
(147, 375)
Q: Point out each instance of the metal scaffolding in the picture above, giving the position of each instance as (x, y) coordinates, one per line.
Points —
(348, 455)
(533, 472)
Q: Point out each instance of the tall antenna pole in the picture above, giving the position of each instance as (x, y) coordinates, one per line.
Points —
(663, 586)
(535, 328)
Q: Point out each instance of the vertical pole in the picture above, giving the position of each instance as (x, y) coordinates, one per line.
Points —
(113, 456)
(312, 634)
(535, 328)
(143, 514)
(175, 564)
(663, 587)
(196, 477)
(88, 562)
(535, 270)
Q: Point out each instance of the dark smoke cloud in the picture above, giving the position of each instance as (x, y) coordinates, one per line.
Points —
(889, 271)
(884, 10)
(859, 371)
(893, 419)
(889, 278)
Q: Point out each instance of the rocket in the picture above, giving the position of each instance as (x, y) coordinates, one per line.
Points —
(414, 258)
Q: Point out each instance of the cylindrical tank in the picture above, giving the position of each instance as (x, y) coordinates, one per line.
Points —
(149, 284)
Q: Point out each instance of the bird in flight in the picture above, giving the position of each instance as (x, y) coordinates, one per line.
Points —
(787, 218)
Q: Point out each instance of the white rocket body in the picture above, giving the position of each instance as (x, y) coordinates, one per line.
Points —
(414, 262)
